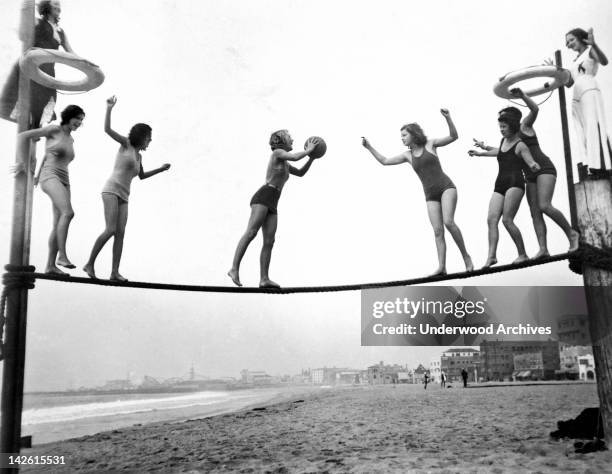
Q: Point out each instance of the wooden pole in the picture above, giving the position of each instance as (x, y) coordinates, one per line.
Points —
(17, 302)
(594, 205)
(566, 148)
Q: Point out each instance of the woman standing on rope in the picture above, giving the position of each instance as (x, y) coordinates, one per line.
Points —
(263, 203)
(540, 184)
(509, 185)
(587, 104)
(48, 35)
(116, 191)
(440, 192)
(54, 180)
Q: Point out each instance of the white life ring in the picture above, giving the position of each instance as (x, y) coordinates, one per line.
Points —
(32, 59)
(559, 78)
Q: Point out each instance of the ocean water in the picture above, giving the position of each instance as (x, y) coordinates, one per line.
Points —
(54, 417)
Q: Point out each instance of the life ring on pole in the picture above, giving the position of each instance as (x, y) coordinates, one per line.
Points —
(559, 76)
(32, 59)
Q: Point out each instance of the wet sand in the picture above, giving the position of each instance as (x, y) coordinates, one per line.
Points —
(358, 429)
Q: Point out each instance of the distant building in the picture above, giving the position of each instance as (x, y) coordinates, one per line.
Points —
(418, 374)
(454, 360)
(529, 366)
(385, 374)
(573, 329)
(498, 357)
(569, 356)
(327, 375)
(435, 369)
(586, 368)
(255, 377)
(348, 377)
(122, 384)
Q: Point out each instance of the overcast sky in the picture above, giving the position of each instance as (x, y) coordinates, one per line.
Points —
(214, 79)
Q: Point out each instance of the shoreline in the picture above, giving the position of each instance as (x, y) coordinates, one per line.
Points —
(358, 429)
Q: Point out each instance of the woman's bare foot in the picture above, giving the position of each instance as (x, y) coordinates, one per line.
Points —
(267, 283)
(89, 269)
(64, 262)
(117, 277)
(574, 241)
(521, 258)
(54, 271)
(542, 253)
(469, 265)
(234, 275)
(439, 272)
(490, 262)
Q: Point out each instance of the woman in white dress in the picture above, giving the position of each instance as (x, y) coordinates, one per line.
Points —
(587, 104)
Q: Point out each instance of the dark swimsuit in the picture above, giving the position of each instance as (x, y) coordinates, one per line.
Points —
(510, 170)
(546, 165)
(434, 181)
(268, 196)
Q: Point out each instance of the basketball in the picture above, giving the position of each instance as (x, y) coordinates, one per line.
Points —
(320, 148)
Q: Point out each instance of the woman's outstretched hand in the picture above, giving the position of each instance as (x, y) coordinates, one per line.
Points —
(111, 101)
(365, 142)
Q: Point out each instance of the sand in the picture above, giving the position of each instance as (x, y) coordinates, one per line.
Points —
(358, 429)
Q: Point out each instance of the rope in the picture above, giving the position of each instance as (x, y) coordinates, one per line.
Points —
(591, 256)
(302, 289)
(18, 277)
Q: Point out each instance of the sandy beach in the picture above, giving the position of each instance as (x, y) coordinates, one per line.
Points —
(357, 429)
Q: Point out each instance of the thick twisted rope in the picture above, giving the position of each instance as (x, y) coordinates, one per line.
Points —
(16, 278)
(303, 289)
(591, 256)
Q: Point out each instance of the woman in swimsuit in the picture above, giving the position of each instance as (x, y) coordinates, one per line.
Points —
(264, 214)
(541, 184)
(440, 192)
(116, 191)
(54, 180)
(509, 185)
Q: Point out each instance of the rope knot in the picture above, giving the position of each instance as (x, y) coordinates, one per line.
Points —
(589, 255)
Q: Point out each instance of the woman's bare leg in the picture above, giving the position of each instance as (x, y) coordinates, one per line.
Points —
(545, 190)
(512, 201)
(449, 204)
(434, 211)
(538, 220)
(496, 207)
(60, 197)
(269, 233)
(111, 211)
(256, 220)
(122, 216)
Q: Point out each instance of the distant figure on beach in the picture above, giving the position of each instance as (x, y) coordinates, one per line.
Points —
(425, 380)
(587, 104)
(264, 214)
(116, 191)
(55, 182)
(464, 376)
(442, 380)
(440, 191)
(48, 35)
(509, 185)
(540, 184)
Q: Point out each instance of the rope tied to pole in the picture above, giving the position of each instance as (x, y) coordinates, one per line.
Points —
(16, 278)
(591, 256)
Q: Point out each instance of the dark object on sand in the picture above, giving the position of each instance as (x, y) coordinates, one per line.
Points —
(587, 425)
(590, 446)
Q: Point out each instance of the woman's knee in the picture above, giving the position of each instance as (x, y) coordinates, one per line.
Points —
(508, 221)
(438, 231)
(546, 207)
(67, 213)
(450, 224)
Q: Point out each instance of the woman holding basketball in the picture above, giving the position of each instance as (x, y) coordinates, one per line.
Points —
(540, 184)
(509, 185)
(440, 192)
(116, 191)
(264, 214)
